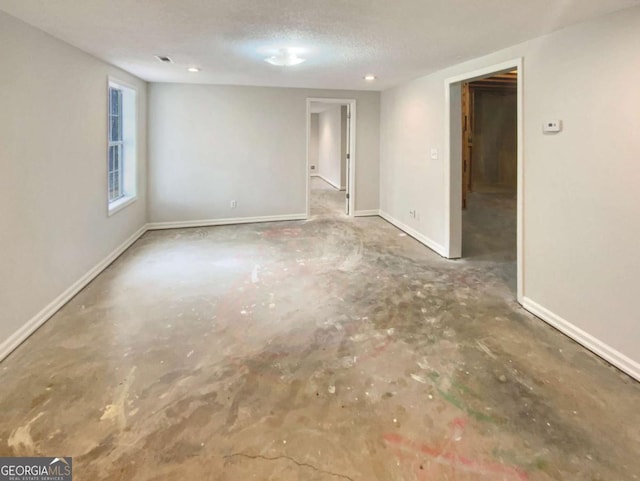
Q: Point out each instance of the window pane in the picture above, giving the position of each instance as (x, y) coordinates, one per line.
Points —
(116, 128)
(116, 157)
(115, 114)
(114, 100)
(111, 186)
(116, 186)
(112, 154)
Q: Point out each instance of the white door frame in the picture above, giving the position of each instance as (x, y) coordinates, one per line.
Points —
(351, 188)
(453, 163)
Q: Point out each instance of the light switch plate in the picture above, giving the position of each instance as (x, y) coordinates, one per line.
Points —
(434, 154)
(552, 126)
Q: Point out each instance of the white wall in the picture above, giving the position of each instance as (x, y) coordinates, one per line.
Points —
(330, 145)
(581, 209)
(53, 159)
(313, 143)
(344, 147)
(210, 144)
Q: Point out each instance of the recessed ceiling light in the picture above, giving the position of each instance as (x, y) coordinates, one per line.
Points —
(369, 78)
(285, 58)
(193, 69)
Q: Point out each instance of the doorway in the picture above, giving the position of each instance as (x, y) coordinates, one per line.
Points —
(489, 171)
(330, 157)
(485, 168)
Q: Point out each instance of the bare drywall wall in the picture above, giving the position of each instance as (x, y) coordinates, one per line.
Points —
(580, 186)
(53, 159)
(494, 153)
(210, 144)
(330, 145)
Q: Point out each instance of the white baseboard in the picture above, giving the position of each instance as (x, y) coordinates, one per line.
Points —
(606, 352)
(434, 246)
(18, 337)
(229, 221)
(366, 213)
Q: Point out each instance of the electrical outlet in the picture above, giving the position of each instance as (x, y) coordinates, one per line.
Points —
(412, 213)
(434, 154)
(234, 204)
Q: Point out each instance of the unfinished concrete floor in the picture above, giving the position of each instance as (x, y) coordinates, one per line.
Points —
(326, 199)
(489, 226)
(333, 349)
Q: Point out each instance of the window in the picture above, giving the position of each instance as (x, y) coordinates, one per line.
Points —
(122, 155)
(116, 189)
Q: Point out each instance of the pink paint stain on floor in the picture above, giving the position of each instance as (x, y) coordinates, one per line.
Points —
(430, 462)
(378, 349)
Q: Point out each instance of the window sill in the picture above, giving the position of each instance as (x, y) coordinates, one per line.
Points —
(118, 205)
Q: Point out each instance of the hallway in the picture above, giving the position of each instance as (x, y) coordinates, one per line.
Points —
(326, 200)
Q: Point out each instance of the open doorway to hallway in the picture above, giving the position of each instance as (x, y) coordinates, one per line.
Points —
(490, 171)
(329, 157)
(484, 217)
(326, 199)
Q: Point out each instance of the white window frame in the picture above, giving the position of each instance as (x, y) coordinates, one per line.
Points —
(127, 147)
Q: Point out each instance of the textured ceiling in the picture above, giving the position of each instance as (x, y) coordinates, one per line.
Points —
(343, 40)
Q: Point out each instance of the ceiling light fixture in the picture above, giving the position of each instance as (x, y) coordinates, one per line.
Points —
(193, 69)
(369, 78)
(285, 58)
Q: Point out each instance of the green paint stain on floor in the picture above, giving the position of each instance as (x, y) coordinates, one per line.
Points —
(452, 399)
